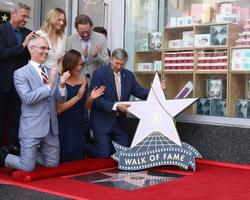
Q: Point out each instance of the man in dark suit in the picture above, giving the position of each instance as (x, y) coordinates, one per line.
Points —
(14, 38)
(106, 117)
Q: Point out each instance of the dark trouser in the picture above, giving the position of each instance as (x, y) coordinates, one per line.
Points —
(103, 147)
(10, 106)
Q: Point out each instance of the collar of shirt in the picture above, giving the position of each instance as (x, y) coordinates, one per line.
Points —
(18, 34)
(36, 66)
(118, 74)
(13, 28)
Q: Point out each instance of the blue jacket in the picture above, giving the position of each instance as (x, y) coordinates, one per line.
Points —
(12, 55)
(102, 117)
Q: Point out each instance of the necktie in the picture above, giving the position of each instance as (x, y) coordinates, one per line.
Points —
(118, 85)
(43, 75)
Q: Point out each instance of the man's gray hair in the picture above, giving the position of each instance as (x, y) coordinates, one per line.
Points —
(33, 41)
(120, 54)
(17, 5)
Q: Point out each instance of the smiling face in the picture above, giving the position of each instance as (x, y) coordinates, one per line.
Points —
(76, 70)
(72, 62)
(39, 49)
(84, 31)
(59, 24)
(19, 18)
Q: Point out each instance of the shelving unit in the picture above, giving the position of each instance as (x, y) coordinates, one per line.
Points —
(237, 81)
(177, 78)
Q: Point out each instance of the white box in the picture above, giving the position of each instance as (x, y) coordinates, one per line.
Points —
(189, 20)
(241, 59)
(186, 35)
(188, 43)
(202, 40)
(157, 65)
(180, 21)
(145, 66)
(226, 8)
(173, 22)
(175, 43)
(226, 18)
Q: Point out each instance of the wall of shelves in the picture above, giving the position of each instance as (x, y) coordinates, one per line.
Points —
(176, 77)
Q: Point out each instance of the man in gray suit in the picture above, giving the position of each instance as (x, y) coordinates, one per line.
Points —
(91, 45)
(38, 88)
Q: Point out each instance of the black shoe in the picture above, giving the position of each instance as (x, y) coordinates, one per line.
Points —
(3, 154)
(14, 150)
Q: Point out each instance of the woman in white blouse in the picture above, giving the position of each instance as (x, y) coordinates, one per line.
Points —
(53, 30)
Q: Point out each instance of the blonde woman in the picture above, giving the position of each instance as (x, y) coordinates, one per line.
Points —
(53, 30)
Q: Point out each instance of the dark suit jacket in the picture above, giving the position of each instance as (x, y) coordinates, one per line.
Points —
(102, 117)
(12, 55)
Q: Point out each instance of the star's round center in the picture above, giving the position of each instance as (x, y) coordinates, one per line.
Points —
(155, 118)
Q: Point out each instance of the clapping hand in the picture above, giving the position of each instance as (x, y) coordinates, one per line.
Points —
(85, 51)
(96, 50)
(81, 91)
(52, 76)
(97, 91)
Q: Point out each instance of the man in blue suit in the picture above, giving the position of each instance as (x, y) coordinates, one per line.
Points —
(106, 117)
(14, 38)
(39, 89)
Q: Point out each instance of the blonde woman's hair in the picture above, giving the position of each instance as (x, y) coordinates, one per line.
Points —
(51, 18)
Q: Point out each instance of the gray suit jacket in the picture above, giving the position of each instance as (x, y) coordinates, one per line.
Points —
(73, 42)
(38, 103)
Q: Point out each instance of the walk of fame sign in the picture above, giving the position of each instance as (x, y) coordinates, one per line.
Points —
(156, 141)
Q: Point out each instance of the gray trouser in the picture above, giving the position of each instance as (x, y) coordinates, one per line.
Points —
(47, 154)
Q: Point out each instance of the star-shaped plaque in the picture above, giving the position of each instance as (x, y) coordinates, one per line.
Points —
(157, 114)
(134, 178)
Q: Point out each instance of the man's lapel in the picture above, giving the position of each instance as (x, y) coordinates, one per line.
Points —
(112, 80)
(35, 78)
(123, 83)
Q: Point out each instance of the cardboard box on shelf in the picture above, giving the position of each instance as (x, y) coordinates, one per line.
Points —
(180, 21)
(145, 66)
(157, 65)
(242, 108)
(201, 40)
(218, 35)
(208, 14)
(172, 21)
(216, 88)
(226, 8)
(175, 43)
(155, 40)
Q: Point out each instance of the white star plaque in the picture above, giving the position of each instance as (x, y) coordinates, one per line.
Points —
(157, 114)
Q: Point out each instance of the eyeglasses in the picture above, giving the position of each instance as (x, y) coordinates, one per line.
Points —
(43, 48)
(81, 33)
(23, 16)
